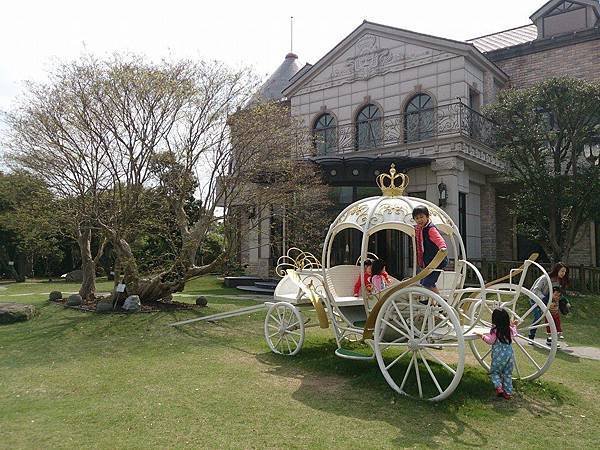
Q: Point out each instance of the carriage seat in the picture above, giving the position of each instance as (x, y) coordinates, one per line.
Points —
(340, 281)
(447, 281)
(287, 291)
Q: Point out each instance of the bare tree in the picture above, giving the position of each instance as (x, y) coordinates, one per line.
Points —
(50, 138)
(111, 135)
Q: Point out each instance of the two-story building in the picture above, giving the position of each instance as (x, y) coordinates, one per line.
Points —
(385, 94)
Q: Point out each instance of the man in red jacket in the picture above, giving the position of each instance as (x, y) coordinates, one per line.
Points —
(429, 241)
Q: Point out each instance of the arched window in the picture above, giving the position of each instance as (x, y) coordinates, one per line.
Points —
(325, 135)
(418, 118)
(368, 128)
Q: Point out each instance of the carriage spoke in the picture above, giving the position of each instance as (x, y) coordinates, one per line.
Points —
(529, 311)
(295, 342)
(396, 360)
(441, 324)
(392, 344)
(395, 328)
(535, 327)
(411, 315)
(277, 321)
(426, 316)
(407, 373)
(416, 362)
(533, 361)
(435, 381)
(532, 341)
(434, 345)
(277, 344)
(271, 335)
(288, 343)
(486, 354)
(401, 316)
(516, 366)
(439, 361)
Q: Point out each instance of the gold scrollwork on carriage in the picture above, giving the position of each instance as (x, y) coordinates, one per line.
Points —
(296, 259)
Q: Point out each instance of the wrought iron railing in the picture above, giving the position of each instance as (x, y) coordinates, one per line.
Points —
(455, 119)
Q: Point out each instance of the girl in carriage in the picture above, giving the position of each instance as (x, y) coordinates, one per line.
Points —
(500, 338)
(366, 280)
(379, 278)
(429, 241)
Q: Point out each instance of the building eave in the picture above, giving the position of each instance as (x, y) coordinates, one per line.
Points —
(540, 45)
(458, 47)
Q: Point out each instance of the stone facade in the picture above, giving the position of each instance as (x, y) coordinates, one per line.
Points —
(386, 68)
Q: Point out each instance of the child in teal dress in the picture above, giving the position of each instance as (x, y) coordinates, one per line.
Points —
(500, 338)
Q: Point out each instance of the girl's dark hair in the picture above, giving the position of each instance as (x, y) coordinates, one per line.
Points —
(501, 322)
(377, 266)
(420, 210)
(564, 281)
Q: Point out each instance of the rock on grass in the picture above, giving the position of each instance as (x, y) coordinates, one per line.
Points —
(16, 312)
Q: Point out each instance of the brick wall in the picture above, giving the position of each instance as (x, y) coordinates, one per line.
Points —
(488, 221)
(504, 230)
(580, 60)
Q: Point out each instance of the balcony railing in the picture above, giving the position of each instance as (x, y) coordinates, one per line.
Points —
(455, 119)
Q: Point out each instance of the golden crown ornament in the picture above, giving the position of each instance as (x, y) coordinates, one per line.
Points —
(387, 182)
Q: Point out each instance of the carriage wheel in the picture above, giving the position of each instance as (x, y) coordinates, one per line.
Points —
(284, 329)
(419, 344)
(532, 358)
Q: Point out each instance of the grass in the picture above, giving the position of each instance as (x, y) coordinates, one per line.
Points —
(83, 380)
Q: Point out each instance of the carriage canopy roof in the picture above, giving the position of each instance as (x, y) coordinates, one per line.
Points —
(390, 210)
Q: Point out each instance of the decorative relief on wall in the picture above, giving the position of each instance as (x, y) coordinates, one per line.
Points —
(370, 59)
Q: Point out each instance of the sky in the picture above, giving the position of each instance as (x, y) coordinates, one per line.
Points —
(34, 35)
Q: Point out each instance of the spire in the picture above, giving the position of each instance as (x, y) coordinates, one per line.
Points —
(272, 89)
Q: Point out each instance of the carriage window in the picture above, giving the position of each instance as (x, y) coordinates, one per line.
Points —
(368, 128)
(324, 134)
(418, 118)
(462, 217)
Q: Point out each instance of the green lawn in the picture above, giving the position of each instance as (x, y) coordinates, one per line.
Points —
(81, 380)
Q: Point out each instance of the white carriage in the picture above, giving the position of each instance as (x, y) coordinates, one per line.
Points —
(417, 337)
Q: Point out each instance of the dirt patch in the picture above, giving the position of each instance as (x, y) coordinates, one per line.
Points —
(155, 306)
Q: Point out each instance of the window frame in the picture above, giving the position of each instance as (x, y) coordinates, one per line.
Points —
(419, 112)
(372, 124)
(329, 133)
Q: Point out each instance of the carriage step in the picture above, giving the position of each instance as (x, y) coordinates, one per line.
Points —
(349, 354)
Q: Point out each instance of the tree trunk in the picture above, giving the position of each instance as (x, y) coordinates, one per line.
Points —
(88, 265)
(128, 265)
(165, 284)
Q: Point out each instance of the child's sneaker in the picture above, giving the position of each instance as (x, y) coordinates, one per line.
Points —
(549, 343)
(560, 336)
(500, 392)
(506, 395)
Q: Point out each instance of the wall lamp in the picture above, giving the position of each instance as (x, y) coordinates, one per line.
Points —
(443, 194)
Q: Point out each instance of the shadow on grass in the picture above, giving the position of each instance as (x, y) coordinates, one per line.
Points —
(356, 389)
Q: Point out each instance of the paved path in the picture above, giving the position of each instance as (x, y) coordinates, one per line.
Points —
(582, 352)
(577, 351)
